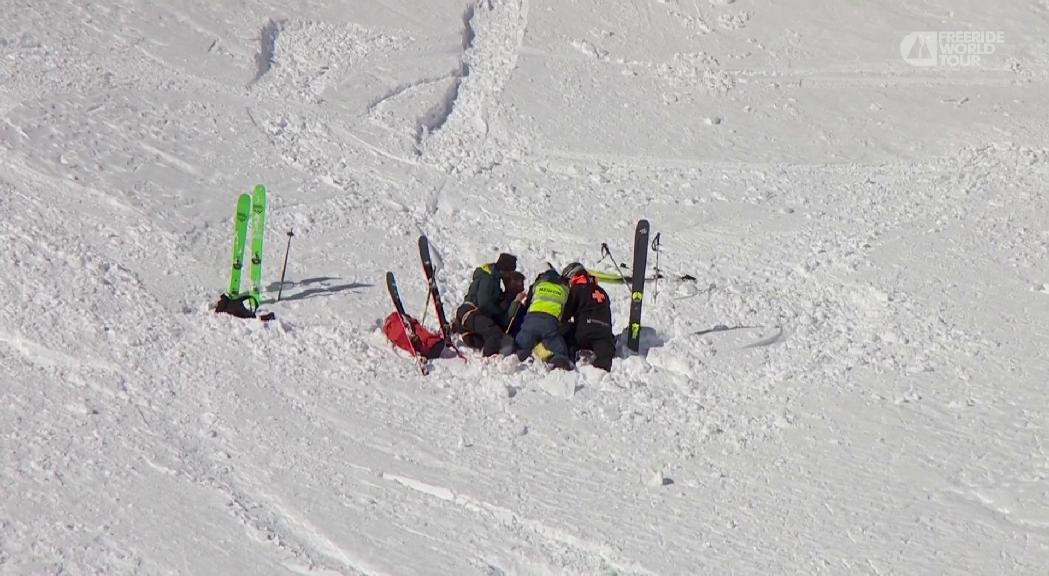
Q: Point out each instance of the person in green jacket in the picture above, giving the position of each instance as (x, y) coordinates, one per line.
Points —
(481, 318)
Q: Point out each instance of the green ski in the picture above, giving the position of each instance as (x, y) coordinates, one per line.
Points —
(240, 236)
(258, 227)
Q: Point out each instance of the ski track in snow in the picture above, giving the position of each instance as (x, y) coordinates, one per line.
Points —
(893, 423)
(435, 117)
(603, 554)
(459, 137)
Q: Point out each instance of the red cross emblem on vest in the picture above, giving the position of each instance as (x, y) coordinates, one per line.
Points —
(597, 295)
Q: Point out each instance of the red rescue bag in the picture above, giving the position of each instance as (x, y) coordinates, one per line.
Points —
(431, 345)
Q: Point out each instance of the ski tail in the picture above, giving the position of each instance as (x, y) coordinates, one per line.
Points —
(258, 228)
(637, 284)
(434, 293)
(413, 338)
(628, 277)
(240, 235)
(609, 277)
(431, 283)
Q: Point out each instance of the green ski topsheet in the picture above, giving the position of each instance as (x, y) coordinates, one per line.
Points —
(240, 236)
(258, 227)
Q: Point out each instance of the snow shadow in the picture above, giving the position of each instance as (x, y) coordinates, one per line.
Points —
(649, 338)
(743, 337)
(267, 48)
(723, 328)
(326, 288)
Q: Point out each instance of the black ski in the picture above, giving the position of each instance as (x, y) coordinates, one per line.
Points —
(391, 285)
(637, 285)
(433, 293)
(431, 283)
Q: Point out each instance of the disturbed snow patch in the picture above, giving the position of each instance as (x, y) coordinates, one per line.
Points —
(267, 44)
(457, 143)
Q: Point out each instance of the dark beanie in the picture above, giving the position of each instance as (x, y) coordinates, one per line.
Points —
(506, 263)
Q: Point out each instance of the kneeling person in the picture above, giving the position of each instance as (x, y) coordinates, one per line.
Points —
(590, 313)
(542, 322)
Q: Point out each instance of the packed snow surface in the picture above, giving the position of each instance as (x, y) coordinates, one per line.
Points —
(855, 383)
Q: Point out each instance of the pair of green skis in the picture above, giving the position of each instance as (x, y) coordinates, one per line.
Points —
(251, 210)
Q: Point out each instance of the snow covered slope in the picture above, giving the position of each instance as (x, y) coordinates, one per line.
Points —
(870, 240)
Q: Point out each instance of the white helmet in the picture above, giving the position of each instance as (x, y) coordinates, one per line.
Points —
(572, 270)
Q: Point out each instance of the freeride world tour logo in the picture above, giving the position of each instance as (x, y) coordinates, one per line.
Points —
(964, 49)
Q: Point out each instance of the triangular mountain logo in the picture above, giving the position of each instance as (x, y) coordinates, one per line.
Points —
(920, 49)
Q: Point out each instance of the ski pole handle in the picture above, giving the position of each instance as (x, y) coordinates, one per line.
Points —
(606, 253)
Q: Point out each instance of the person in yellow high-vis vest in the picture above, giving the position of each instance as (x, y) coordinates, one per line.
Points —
(542, 322)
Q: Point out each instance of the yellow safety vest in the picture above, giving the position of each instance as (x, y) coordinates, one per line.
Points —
(549, 298)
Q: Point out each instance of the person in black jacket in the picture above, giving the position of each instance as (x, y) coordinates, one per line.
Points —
(590, 314)
(481, 318)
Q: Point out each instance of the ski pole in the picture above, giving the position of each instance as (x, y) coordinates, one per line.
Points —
(284, 267)
(426, 304)
(655, 248)
(515, 308)
(606, 253)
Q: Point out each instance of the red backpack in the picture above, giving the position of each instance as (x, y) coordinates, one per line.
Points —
(431, 345)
